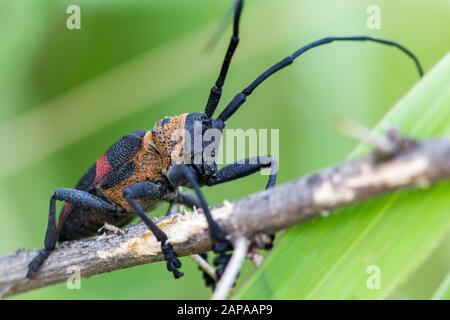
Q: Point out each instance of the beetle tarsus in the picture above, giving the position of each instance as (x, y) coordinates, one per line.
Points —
(173, 263)
(37, 262)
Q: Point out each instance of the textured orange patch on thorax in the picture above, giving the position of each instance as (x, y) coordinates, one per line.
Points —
(168, 137)
(160, 145)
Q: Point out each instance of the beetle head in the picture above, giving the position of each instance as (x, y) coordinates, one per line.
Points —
(201, 142)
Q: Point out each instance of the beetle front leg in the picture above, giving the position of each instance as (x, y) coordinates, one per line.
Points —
(191, 200)
(245, 168)
(152, 190)
(179, 175)
(76, 197)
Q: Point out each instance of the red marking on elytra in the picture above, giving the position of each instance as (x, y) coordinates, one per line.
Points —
(102, 167)
(65, 211)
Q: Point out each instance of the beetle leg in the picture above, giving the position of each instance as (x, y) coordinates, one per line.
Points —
(181, 174)
(172, 209)
(184, 198)
(245, 168)
(152, 190)
(76, 197)
(188, 199)
(191, 200)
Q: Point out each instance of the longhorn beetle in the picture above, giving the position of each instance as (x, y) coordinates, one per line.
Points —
(144, 168)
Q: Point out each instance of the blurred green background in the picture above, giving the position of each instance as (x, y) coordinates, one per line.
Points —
(66, 95)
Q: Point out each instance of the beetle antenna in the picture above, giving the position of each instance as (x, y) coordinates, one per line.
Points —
(220, 28)
(216, 90)
(240, 98)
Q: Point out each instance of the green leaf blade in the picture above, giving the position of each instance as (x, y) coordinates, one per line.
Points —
(443, 292)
